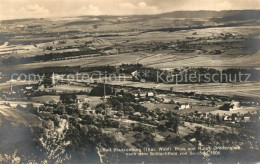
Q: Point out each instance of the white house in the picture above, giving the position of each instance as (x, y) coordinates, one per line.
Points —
(150, 94)
(184, 106)
(234, 105)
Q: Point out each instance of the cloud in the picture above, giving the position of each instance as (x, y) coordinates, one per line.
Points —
(140, 8)
(206, 5)
(30, 11)
(142, 4)
(34, 9)
(90, 10)
(224, 5)
(127, 5)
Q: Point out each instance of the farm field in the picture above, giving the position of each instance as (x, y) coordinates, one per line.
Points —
(170, 107)
(13, 104)
(243, 110)
(238, 55)
(69, 88)
(170, 61)
(245, 89)
(93, 101)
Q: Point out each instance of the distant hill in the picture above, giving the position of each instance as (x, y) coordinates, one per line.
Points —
(12, 21)
(235, 14)
(224, 15)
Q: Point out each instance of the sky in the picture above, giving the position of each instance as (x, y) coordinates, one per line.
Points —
(18, 9)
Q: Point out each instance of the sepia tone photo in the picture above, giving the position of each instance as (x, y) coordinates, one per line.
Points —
(130, 81)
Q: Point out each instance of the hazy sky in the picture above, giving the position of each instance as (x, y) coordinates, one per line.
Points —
(12, 9)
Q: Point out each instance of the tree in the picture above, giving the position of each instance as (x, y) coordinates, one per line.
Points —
(99, 90)
(42, 108)
(226, 106)
(173, 124)
(100, 108)
(116, 104)
(169, 140)
(60, 109)
(85, 107)
(30, 108)
(101, 105)
(19, 107)
(198, 133)
(68, 97)
(72, 109)
(162, 127)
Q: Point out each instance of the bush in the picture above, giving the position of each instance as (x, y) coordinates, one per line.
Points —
(99, 90)
(161, 127)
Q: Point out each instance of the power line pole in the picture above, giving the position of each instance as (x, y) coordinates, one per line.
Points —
(105, 84)
(104, 89)
(11, 87)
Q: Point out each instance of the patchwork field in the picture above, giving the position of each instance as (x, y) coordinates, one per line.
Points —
(229, 89)
(170, 61)
(235, 51)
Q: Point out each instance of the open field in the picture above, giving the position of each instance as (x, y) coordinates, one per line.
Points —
(170, 107)
(92, 101)
(153, 60)
(243, 110)
(69, 88)
(236, 52)
(176, 60)
(13, 104)
(215, 128)
(246, 89)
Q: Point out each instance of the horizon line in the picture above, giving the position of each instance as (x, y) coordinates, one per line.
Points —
(127, 14)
